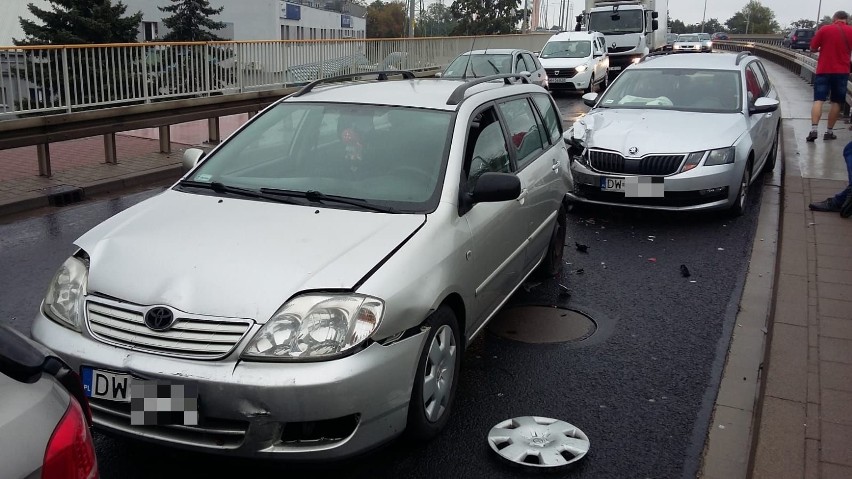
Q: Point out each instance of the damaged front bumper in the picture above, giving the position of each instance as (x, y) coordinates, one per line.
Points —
(301, 411)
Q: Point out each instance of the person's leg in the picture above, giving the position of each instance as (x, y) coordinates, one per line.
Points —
(833, 115)
(837, 88)
(821, 91)
(842, 201)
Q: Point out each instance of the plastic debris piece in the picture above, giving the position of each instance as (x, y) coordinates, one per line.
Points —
(720, 249)
(651, 237)
(693, 281)
(684, 271)
(582, 248)
(721, 426)
(529, 286)
(652, 260)
(580, 271)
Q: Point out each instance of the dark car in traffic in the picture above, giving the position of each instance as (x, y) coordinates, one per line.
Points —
(799, 39)
(720, 36)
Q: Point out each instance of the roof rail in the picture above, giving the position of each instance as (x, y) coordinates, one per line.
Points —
(382, 76)
(458, 94)
(741, 55)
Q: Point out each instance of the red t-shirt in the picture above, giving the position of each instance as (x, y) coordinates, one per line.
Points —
(834, 51)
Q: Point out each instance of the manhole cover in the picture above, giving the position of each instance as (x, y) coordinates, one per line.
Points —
(538, 442)
(542, 324)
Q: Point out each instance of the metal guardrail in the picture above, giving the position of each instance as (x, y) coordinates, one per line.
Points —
(68, 78)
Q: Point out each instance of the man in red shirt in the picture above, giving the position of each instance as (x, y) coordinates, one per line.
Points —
(834, 44)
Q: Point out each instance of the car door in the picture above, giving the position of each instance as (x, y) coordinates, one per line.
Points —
(537, 167)
(538, 73)
(761, 124)
(498, 230)
(602, 61)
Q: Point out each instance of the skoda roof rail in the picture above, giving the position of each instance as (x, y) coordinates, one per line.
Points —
(457, 95)
(741, 55)
(382, 76)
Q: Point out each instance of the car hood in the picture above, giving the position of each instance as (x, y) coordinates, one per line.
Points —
(235, 257)
(565, 63)
(662, 131)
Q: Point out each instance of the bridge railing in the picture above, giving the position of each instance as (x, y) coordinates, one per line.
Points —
(67, 78)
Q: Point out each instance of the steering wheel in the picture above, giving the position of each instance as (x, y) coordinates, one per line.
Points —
(407, 171)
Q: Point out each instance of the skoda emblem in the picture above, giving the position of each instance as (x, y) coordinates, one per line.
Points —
(159, 318)
(633, 150)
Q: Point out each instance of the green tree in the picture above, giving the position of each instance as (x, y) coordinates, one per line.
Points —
(826, 20)
(753, 18)
(711, 25)
(486, 17)
(190, 21)
(803, 23)
(386, 20)
(436, 21)
(677, 26)
(80, 21)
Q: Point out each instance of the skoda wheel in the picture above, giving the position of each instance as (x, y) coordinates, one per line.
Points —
(773, 153)
(739, 206)
(436, 378)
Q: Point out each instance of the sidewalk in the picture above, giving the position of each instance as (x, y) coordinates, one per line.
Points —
(803, 416)
(78, 165)
(804, 427)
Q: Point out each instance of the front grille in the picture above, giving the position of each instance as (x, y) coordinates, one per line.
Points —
(654, 165)
(210, 432)
(619, 49)
(561, 73)
(671, 198)
(191, 336)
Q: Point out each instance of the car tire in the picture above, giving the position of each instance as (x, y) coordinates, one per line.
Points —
(604, 83)
(441, 357)
(591, 86)
(553, 261)
(773, 153)
(741, 202)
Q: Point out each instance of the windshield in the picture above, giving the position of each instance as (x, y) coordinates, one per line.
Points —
(479, 65)
(388, 155)
(568, 49)
(613, 23)
(688, 38)
(717, 91)
(704, 36)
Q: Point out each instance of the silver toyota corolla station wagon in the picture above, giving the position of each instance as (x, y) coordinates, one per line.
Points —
(306, 290)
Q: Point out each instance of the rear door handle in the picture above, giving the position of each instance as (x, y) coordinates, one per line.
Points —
(555, 166)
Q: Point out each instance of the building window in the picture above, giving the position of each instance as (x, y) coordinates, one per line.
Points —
(150, 30)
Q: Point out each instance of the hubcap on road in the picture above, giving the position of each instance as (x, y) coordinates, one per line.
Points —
(539, 442)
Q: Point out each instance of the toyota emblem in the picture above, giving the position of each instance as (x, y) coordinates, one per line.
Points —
(633, 150)
(159, 318)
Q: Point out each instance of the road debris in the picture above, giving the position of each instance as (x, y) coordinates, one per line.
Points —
(529, 286)
(581, 247)
(684, 271)
(579, 271)
(652, 260)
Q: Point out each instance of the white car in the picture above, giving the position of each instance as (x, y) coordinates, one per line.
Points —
(677, 132)
(688, 43)
(496, 61)
(576, 61)
(307, 289)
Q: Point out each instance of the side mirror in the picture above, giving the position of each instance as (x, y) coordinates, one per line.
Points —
(655, 24)
(438, 75)
(763, 105)
(494, 187)
(655, 14)
(590, 99)
(598, 54)
(537, 54)
(525, 74)
(191, 157)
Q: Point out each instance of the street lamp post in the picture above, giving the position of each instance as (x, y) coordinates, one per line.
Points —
(704, 16)
(819, 11)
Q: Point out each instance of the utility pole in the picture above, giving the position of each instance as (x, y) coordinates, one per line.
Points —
(819, 11)
(411, 18)
(704, 16)
(526, 28)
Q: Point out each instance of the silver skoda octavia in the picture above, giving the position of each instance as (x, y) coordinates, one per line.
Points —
(306, 290)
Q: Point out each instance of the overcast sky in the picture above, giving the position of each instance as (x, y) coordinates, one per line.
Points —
(689, 11)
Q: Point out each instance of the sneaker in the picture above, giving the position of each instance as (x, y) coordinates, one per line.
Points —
(811, 136)
(829, 135)
(825, 205)
(846, 208)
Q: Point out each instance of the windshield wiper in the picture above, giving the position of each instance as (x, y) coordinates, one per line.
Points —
(222, 188)
(496, 70)
(319, 197)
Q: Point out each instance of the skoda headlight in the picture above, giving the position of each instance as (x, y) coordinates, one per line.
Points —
(64, 300)
(721, 156)
(316, 326)
(582, 68)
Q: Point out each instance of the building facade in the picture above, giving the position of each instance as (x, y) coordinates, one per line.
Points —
(265, 19)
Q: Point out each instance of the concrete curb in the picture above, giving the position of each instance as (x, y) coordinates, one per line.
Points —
(727, 452)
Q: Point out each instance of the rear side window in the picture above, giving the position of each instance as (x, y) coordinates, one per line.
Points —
(531, 65)
(524, 130)
(551, 118)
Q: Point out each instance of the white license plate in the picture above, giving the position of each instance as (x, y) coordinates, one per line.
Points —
(558, 80)
(106, 385)
(635, 186)
(615, 68)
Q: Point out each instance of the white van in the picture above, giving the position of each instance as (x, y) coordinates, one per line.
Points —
(576, 61)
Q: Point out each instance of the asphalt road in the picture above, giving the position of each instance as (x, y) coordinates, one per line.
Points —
(641, 387)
